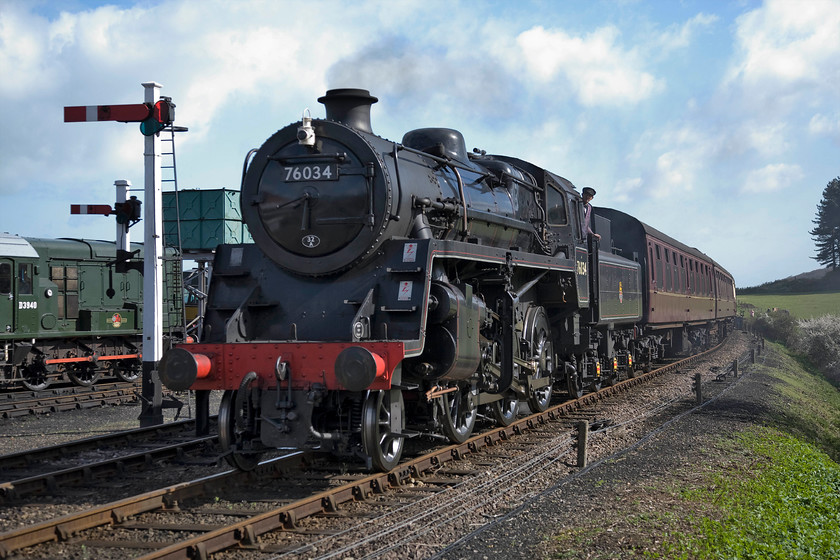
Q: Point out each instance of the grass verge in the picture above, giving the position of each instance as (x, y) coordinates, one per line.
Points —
(783, 505)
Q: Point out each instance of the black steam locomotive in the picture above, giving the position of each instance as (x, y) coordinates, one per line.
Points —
(398, 289)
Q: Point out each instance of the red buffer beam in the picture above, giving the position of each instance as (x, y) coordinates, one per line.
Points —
(137, 112)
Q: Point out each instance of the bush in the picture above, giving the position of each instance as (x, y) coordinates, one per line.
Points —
(778, 326)
(819, 340)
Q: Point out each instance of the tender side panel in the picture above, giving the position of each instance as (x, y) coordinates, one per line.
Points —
(620, 291)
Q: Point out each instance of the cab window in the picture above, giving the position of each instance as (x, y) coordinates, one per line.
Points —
(25, 279)
(555, 207)
(578, 218)
(5, 278)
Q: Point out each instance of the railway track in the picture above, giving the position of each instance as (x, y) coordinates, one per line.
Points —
(50, 470)
(300, 507)
(57, 399)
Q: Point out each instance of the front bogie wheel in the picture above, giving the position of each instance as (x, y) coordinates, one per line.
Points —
(237, 426)
(383, 420)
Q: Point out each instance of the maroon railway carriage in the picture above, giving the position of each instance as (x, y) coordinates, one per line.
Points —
(687, 296)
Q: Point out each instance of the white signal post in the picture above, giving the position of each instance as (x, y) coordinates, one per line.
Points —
(152, 413)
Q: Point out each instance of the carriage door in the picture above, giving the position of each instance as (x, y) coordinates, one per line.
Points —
(7, 302)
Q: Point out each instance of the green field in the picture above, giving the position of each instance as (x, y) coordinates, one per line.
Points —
(801, 306)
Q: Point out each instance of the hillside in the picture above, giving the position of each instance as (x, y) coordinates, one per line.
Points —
(817, 281)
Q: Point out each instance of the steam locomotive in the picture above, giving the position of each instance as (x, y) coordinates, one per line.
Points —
(397, 289)
(70, 311)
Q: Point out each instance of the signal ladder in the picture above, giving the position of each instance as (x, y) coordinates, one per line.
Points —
(169, 177)
(179, 282)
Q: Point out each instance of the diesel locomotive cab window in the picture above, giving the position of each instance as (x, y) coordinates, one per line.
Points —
(5, 278)
(25, 279)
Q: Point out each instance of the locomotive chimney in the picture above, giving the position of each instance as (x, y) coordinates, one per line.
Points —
(350, 107)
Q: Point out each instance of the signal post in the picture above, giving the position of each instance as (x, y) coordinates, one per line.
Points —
(152, 412)
(154, 115)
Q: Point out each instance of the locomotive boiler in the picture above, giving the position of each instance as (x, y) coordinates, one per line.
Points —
(399, 289)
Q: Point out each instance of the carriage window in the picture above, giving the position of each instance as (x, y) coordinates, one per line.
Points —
(25, 279)
(5, 278)
(689, 276)
(556, 207)
(659, 273)
(708, 281)
(679, 274)
(651, 265)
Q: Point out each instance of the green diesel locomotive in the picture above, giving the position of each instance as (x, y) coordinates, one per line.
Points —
(69, 310)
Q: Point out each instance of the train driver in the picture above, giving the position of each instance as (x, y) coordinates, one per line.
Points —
(588, 195)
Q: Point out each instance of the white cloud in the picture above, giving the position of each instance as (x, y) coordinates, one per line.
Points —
(766, 139)
(681, 36)
(599, 71)
(22, 52)
(626, 189)
(675, 158)
(674, 171)
(771, 178)
(827, 125)
(787, 47)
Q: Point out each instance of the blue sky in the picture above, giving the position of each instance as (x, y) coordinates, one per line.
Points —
(715, 122)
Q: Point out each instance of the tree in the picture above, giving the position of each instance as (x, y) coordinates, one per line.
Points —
(827, 233)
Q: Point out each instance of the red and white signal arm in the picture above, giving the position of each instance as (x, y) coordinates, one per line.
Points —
(136, 112)
(103, 209)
